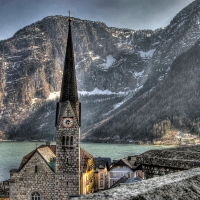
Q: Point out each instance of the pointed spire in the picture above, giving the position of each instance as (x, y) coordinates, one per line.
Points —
(69, 86)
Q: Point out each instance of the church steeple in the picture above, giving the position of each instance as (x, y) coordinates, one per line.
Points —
(68, 123)
(69, 85)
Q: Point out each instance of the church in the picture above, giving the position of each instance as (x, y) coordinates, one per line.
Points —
(55, 172)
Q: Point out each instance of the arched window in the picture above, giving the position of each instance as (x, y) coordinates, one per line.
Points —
(71, 140)
(35, 196)
(63, 141)
(128, 175)
(67, 140)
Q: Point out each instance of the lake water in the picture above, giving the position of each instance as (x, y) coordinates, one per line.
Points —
(11, 153)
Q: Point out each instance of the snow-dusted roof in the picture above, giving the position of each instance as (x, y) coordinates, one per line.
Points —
(180, 157)
(180, 185)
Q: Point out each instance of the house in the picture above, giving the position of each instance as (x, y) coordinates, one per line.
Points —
(120, 169)
(87, 172)
(101, 171)
(137, 169)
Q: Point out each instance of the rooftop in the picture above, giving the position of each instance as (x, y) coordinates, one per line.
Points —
(180, 185)
(179, 157)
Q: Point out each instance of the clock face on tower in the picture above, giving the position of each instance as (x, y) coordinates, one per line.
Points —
(67, 122)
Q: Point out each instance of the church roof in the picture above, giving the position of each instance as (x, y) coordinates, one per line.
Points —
(48, 153)
(69, 86)
(69, 91)
(179, 157)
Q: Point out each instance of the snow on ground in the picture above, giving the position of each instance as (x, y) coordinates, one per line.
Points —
(109, 61)
(147, 54)
(138, 73)
(93, 56)
(97, 91)
(53, 95)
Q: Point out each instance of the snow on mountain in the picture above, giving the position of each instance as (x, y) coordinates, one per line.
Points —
(109, 61)
(147, 54)
(97, 91)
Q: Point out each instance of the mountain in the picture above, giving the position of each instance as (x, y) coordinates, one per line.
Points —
(161, 105)
(122, 75)
(31, 69)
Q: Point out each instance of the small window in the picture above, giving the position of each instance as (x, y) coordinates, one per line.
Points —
(67, 160)
(35, 196)
(128, 175)
(71, 141)
(67, 140)
(101, 184)
(63, 141)
(114, 174)
(122, 173)
(36, 168)
(114, 182)
(101, 175)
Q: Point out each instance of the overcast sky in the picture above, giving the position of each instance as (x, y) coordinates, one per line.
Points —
(133, 14)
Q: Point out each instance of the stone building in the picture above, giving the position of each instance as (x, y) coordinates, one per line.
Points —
(40, 180)
(54, 172)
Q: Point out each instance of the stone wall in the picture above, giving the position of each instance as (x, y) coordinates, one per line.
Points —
(67, 179)
(26, 181)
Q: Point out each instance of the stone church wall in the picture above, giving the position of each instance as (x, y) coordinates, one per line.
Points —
(26, 181)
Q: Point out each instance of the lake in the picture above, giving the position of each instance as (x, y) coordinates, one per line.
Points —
(11, 153)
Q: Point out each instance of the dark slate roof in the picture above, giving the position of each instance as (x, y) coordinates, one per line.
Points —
(121, 180)
(69, 86)
(180, 185)
(122, 162)
(100, 162)
(180, 157)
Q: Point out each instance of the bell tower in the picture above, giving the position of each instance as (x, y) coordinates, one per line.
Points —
(68, 122)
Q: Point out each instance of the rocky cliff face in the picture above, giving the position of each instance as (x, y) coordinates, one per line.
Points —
(169, 97)
(107, 59)
(115, 68)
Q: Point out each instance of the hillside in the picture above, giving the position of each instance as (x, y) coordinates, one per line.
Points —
(172, 104)
(131, 83)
